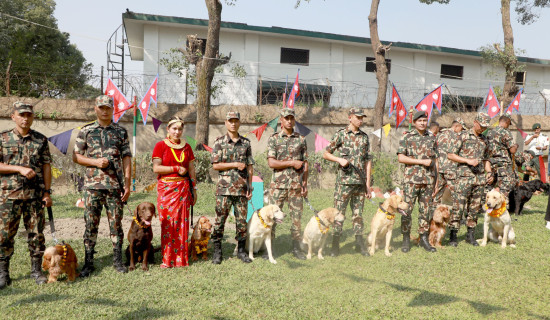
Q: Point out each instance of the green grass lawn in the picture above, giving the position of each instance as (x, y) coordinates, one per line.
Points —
(455, 283)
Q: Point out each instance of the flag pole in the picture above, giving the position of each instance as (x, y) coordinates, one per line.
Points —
(134, 148)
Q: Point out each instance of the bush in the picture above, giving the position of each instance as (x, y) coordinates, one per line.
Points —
(385, 171)
(317, 167)
(203, 166)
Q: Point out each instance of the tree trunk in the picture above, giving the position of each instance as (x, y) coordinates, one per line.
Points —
(381, 70)
(205, 72)
(510, 62)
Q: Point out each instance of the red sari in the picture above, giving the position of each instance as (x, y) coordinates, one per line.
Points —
(173, 202)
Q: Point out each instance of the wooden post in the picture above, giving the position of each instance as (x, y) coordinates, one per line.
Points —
(260, 103)
(8, 79)
(102, 80)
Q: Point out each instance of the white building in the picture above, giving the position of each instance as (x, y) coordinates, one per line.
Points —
(334, 69)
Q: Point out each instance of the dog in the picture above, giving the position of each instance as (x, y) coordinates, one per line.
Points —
(438, 225)
(522, 193)
(382, 223)
(498, 218)
(58, 260)
(316, 231)
(199, 239)
(258, 230)
(140, 236)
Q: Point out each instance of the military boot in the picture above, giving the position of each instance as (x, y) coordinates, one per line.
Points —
(4, 273)
(470, 238)
(241, 253)
(453, 241)
(424, 243)
(117, 259)
(88, 264)
(335, 246)
(360, 245)
(217, 255)
(406, 246)
(297, 251)
(36, 270)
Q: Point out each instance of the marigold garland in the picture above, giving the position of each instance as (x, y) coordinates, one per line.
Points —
(323, 231)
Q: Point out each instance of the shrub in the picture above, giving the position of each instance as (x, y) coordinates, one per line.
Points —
(385, 171)
(203, 166)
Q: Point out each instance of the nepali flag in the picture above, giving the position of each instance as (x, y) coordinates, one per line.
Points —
(431, 99)
(395, 100)
(145, 102)
(295, 92)
(515, 103)
(120, 103)
(492, 103)
(401, 114)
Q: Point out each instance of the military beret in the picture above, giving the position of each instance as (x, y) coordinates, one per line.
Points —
(287, 112)
(22, 107)
(461, 122)
(420, 114)
(536, 126)
(104, 100)
(356, 111)
(233, 115)
(483, 119)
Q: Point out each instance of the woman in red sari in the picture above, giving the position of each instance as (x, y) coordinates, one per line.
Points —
(173, 162)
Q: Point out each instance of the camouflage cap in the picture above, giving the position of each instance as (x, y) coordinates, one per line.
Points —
(287, 112)
(507, 116)
(536, 126)
(233, 115)
(22, 107)
(356, 111)
(461, 122)
(483, 119)
(104, 100)
(420, 114)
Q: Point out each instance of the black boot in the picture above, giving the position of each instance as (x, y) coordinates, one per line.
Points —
(117, 259)
(217, 256)
(335, 246)
(424, 243)
(453, 241)
(241, 253)
(36, 270)
(297, 251)
(470, 237)
(406, 246)
(88, 264)
(360, 245)
(4, 273)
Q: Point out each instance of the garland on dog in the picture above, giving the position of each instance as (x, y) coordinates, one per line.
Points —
(203, 244)
(323, 231)
(139, 223)
(262, 220)
(64, 257)
(389, 216)
(495, 213)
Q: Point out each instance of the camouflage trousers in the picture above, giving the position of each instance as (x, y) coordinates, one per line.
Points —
(443, 183)
(33, 218)
(295, 207)
(411, 194)
(468, 198)
(506, 179)
(354, 194)
(240, 208)
(95, 200)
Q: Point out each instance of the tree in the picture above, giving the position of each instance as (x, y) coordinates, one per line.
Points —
(38, 59)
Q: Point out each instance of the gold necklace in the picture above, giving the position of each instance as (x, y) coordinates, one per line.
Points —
(182, 156)
(175, 145)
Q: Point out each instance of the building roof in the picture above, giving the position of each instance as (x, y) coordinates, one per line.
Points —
(131, 20)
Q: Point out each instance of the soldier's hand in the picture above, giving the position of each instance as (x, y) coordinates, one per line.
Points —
(182, 171)
(490, 177)
(368, 192)
(126, 194)
(427, 162)
(240, 166)
(297, 164)
(536, 135)
(27, 172)
(102, 163)
(47, 201)
(472, 162)
(194, 196)
(304, 191)
(343, 162)
(249, 194)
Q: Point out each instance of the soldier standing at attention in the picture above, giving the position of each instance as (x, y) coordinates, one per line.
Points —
(25, 180)
(501, 149)
(417, 151)
(103, 148)
(287, 156)
(474, 171)
(232, 158)
(353, 180)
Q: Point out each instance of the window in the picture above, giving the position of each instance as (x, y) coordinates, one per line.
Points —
(520, 78)
(271, 92)
(451, 72)
(371, 65)
(203, 45)
(295, 56)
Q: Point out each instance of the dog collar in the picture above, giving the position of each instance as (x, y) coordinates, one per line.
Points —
(323, 230)
(202, 246)
(139, 223)
(389, 216)
(498, 212)
(64, 257)
(262, 220)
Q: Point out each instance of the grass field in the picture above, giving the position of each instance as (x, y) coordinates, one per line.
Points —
(455, 283)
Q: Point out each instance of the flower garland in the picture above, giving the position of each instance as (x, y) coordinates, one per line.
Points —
(202, 246)
(498, 212)
(64, 257)
(389, 216)
(262, 220)
(138, 223)
(323, 231)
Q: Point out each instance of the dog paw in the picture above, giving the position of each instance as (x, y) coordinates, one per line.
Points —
(273, 261)
(308, 256)
(321, 257)
(388, 254)
(503, 246)
(131, 268)
(512, 245)
(371, 252)
(145, 269)
(483, 243)
(252, 258)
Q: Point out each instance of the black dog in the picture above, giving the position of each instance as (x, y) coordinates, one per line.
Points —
(522, 193)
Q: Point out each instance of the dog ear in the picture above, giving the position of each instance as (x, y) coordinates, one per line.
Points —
(154, 210)
(196, 230)
(438, 216)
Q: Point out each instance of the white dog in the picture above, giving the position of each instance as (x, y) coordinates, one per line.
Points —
(382, 223)
(499, 219)
(316, 232)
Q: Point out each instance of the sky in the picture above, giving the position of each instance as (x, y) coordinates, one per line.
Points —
(462, 24)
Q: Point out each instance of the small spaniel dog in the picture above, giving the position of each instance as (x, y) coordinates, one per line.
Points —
(438, 225)
(58, 260)
(199, 240)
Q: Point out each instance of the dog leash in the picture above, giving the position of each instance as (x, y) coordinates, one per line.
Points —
(52, 226)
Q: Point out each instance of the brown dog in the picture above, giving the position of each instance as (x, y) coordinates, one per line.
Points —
(199, 239)
(381, 227)
(140, 236)
(438, 225)
(58, 260)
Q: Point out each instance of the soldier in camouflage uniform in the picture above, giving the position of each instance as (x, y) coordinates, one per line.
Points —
(352, 183)
(25, 180)
(417, 150)
(474, 172)
(232, 158)
(525, 163)
(287, 156)
(501, 149)
(103, 148)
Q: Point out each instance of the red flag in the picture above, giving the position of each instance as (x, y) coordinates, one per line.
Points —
(401, 115)
(427, 103)
(207, 148)
(259, 131)
(492, 103)
(515, 103)
(295, 92)
(120, 103)
(395, 99)
(150, 95)
(542, 169)
(523, 134)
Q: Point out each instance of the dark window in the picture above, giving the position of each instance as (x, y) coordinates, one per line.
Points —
(520, 78)
(295, 56)
(451, 72)
(371, 65)
(271, 92)
(203, 45)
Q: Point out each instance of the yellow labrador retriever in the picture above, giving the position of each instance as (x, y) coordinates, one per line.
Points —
(381, 227)
(498, 218)
(316, 231)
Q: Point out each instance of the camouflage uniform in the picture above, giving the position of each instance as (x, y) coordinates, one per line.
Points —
(232, 184)
(418, 181)
(500, 141)
(447, 168)
(286, 183)
(19, 196)
(350, 186)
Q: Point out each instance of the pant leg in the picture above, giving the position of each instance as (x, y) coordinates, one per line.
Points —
(93, 204)
(476, 203)
(357, 202)
(410, 195)
(113, 205)
(223, 205)
(295, 207)
(342, 194)
(277, 197)
(34, 220)
(240, 208)
(424, 208)
(461, 196)
(10, 214)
